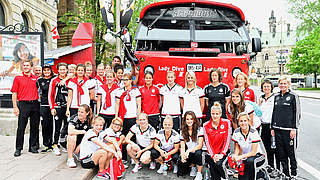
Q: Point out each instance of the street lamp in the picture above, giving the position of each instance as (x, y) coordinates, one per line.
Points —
(280, 54)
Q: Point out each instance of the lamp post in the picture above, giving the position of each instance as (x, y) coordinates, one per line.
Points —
(118, 45)
(281, 59)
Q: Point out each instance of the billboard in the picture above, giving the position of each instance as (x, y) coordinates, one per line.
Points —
(14, 49)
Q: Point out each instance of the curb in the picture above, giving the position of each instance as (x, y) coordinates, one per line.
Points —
(309, 97)
(88, 175)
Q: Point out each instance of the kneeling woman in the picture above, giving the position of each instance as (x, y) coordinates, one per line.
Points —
(246, 148)
(94, 152)
(166, 146)
(145, 135)
(191, 141)
(217, 133)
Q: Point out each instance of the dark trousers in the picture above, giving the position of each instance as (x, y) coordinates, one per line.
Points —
(58, 119)
(28, 110)
(73, 111)
(107, 120)
(176, 122)
(285, 150)
(266, 139)
(127, 124)
(250, 166)
(47, 125)
(194, 158)
(155, 154)
(217, 169)
(154, 121)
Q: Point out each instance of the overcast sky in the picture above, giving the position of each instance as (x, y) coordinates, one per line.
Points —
(257, 12)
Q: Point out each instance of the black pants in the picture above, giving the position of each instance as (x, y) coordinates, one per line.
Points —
(250, 165)
(194, 158)
(73, 111)
(217, 169)
(266, 139)
(155, 154)
(107, 120)
(28, 110)
(127, 124)
(176, 122)
(58, 119)
(47, 125)
(285, 150)
(154, 121)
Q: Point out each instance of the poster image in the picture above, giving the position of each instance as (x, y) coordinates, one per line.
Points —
(14, 49)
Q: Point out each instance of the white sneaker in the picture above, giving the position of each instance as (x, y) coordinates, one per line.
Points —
(71, 163)
(56, 151)
(175, 169)
(64, 150)
(136, 168)
(160, 170)
(152, 165)
(198, 176)
(193, 171)
(133, 162)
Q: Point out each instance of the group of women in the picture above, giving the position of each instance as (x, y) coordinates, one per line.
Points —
(110, 118)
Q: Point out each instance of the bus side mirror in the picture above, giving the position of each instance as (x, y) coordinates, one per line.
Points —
(256, 45)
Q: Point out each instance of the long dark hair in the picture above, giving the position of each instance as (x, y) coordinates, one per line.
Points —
(236, 108)
(88, 110)
(17, 48)
(195, 127)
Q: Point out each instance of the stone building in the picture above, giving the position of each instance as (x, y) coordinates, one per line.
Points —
(36, 14)
(277, 46)
(65, 6)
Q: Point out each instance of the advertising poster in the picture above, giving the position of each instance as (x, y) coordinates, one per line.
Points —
(14, 49)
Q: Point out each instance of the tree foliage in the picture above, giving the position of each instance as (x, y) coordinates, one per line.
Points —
(305, 58)
(308, 11)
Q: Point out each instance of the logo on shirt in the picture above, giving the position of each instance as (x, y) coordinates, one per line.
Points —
(247, 92)
(220, 90)
(288, 98)
(222, 126)
(153, 91)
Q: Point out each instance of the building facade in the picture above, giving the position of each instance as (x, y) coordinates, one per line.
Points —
(40, 15)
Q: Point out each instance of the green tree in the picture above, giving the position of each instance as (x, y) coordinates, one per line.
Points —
(305, 58)
(308, 11)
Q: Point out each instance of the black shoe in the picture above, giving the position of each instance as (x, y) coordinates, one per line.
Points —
(17, 153)
(33, 150)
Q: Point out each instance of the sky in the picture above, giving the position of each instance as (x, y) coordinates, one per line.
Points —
(257, 12)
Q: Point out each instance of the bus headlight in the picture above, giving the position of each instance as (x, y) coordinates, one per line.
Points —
(149, 68)
(236, 71)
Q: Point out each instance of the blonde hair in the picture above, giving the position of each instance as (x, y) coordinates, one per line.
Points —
(171, 72)
(216, 106)
(72, 66)
(96, 119)
(192, 74)
(168, 117)
(117, 119)
(243, 114)
(142, 114)
(247, 84)
(100, 65)
(284, 78)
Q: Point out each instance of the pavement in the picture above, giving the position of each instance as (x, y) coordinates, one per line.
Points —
(50, 167)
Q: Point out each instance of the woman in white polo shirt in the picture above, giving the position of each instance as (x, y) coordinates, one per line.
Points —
(192, 97)
(247, 149)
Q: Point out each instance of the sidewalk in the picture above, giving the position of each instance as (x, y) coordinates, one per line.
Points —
(308, 94)
(36, 166)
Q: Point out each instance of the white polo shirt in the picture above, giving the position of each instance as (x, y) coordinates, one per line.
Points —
(245, 142)
(85, 98)
(167, 144)
(108, 132)
(87, 147)
(191, 100)
(267, 109)
(131, 106)
(171, 101)
(112, 109)
(143, 138)
(191, 144)
(97, 83)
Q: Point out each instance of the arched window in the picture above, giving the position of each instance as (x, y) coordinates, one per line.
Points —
(44, 30)
(266, 56)
(2, 16)
(25, 22)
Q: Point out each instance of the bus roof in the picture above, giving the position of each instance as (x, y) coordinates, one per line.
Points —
(207, 2)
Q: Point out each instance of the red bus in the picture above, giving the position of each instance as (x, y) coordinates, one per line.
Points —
(193, 35)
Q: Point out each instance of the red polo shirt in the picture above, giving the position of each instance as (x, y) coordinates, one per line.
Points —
(217, 140)
(150, 98)
(25, 87)
(249, 95)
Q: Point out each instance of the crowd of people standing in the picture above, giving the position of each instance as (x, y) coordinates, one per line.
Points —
(104, 119)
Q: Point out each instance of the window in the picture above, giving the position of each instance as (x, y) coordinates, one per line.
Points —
(2, 16)
(24, 22)
(266, 56)
(267, 42)
(44, 30)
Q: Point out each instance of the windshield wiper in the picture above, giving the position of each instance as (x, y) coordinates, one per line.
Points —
(235, 28)
(160, 16)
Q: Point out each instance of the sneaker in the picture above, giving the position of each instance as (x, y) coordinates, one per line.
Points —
(103, 175)
(198, 176)
(275, 173)
(76, 156)
(46, 149)
(165, 172)
(133, 162)
(64, 150)
(71, 163)
(175, 169)
(160, 170)
(152, 165)
(56, 151)
(193, 171)
(230, 172)
(125, 166)
(136, 168)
